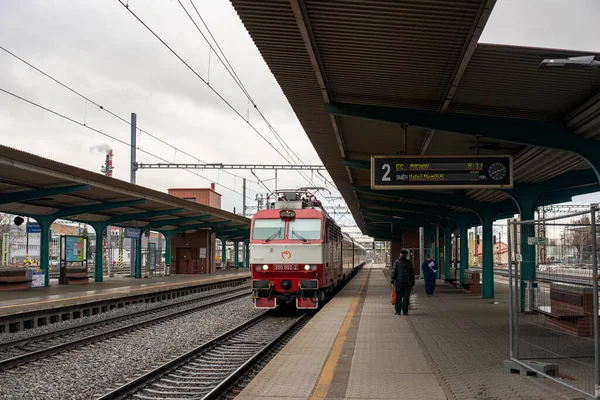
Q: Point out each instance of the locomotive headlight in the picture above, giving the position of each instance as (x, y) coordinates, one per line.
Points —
(258, 267)
(306, 267)
(265, 267)
(313, 267)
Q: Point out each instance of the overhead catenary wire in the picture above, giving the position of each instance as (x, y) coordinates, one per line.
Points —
(236, 78)
(106, 135)
(101, 107)
(210, 87)
(225, 61)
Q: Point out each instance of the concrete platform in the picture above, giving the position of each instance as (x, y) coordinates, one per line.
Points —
(452, 347)
(36, 299)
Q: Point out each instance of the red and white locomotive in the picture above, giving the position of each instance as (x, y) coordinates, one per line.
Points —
(298, 253)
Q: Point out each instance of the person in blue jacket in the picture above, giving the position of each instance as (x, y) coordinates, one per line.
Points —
(429, 269)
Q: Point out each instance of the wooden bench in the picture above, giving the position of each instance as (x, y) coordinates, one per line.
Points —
(571, 309)
(77, 276)
(472, 283)
(14, 278)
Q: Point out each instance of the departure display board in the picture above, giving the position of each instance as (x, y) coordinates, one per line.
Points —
(441, 172)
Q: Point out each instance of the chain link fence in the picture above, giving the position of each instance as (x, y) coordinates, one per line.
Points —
(554, 298)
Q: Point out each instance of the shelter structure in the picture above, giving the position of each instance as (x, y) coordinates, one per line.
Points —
(47, 190)
(372, 77)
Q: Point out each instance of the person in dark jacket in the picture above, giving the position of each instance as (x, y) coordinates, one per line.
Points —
(403, 280)
(429, 268)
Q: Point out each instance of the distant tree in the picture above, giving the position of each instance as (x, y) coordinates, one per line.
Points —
(8, 226)
(579, 235)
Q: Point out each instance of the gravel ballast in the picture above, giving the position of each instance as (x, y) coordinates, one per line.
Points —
(91, 370)
(117, 312)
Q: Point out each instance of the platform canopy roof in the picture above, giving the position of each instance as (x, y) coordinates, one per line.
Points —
(41, 188)
(355, 71)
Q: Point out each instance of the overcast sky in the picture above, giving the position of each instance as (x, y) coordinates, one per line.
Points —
(99, 49)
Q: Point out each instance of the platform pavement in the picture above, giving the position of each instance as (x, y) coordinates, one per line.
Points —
(13, 302)
(452, 347)
(352, 349)
(465, 339)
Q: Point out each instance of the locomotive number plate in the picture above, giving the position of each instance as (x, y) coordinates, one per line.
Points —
(285, 267)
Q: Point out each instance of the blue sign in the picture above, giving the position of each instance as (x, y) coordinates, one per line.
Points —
(74, 247)
(152, 256)
(132, 233)
(33, 227)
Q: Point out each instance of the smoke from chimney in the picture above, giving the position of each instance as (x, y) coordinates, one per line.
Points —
(104, 148)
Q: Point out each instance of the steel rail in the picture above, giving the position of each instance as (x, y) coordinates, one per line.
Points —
(43, 353)
(144, 380)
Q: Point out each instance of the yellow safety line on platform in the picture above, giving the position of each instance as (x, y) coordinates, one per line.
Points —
(116, 292)
(326, 377)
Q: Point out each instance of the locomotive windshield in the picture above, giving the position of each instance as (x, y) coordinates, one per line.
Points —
(268, 229)
(305, 229)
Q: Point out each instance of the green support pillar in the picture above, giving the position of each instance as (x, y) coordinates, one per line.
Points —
(438, 253)
(45, 224)
(487, 269)
(224, 252)
(464, 248)
(210, 250)
(236, 253)
(527, 267)
(447, 251)
(168, 236)
(138, 256)
(247, 244)
(99, 257)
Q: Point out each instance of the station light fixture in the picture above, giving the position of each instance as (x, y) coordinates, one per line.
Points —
(581, 62)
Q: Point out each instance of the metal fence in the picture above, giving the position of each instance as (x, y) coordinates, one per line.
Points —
(554, 298)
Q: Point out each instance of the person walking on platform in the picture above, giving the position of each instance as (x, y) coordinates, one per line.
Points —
(403, 280)
(429, 269)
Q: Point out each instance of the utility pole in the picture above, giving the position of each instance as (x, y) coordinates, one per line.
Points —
(244, 198)
(132, 180)
(107, 247)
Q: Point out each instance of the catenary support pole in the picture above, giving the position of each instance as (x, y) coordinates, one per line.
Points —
(244, 197)
(132, 246)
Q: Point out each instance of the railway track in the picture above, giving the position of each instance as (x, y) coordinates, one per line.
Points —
(545, 277)
(208, 370)
(37, 347)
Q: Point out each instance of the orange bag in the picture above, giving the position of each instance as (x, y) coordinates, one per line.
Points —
(393, 296)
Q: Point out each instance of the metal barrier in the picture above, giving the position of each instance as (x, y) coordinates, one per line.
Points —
(554, 299)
